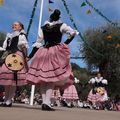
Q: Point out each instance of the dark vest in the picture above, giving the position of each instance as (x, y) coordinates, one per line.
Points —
(12, 44)
(52, 34)
(99, 84)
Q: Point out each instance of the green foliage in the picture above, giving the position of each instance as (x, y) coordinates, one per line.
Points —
(83, 75)
(105, 40)
(2, 38)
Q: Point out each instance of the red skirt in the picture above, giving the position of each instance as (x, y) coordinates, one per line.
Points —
(51, 65)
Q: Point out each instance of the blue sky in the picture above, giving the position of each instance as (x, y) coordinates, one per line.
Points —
(20, 10)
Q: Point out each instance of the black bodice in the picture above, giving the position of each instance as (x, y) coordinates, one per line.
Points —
(12, 44)
(99, 84)
(52, 34)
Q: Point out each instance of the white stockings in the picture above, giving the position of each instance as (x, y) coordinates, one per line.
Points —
(46, 91)
(9, 93)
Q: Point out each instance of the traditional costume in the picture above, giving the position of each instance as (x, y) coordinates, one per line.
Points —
(98, 93)
(13, 44)
(50, 65)
(70, 94)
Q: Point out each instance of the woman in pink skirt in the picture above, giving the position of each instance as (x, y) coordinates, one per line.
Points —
(98, 93)
(50, 65)
(70, 95)
(15, 42)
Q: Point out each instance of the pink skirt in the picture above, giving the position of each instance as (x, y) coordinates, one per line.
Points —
(7, 76)
(97, 97)
(70, 93)
(118, 107)
(51, 65)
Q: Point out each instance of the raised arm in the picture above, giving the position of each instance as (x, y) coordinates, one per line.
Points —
(68, 30)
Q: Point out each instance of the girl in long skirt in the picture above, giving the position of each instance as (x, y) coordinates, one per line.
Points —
(15, 42)
(50, 65)
(70, 95)
(98, 93)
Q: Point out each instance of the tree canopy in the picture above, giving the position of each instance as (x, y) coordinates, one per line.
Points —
(83, 75)
(2, 38)
(105, 41)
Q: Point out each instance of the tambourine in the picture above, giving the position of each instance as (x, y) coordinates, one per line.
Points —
(14, 62)
(101, 90)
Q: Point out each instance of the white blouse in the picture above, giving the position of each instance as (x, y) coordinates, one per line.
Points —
(22, 39)
(63, 29)
(93, 80)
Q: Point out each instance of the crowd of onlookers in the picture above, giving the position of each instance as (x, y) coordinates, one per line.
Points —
(24, 97)
(106, 105)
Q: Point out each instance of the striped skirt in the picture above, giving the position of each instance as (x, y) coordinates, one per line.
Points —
(51, 65)
(97, 97)
(70, 93)
(7, 76)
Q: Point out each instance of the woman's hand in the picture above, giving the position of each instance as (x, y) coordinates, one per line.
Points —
(27, 59)
(73, 34)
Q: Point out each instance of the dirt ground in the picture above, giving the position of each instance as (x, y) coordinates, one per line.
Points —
(26, 112)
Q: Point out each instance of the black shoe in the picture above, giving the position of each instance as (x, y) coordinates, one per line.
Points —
(5, 105)
(47, 108)
(43, 106)
(1, 104)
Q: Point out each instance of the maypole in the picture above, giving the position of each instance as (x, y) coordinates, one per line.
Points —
(32, 16)
(39, 26)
